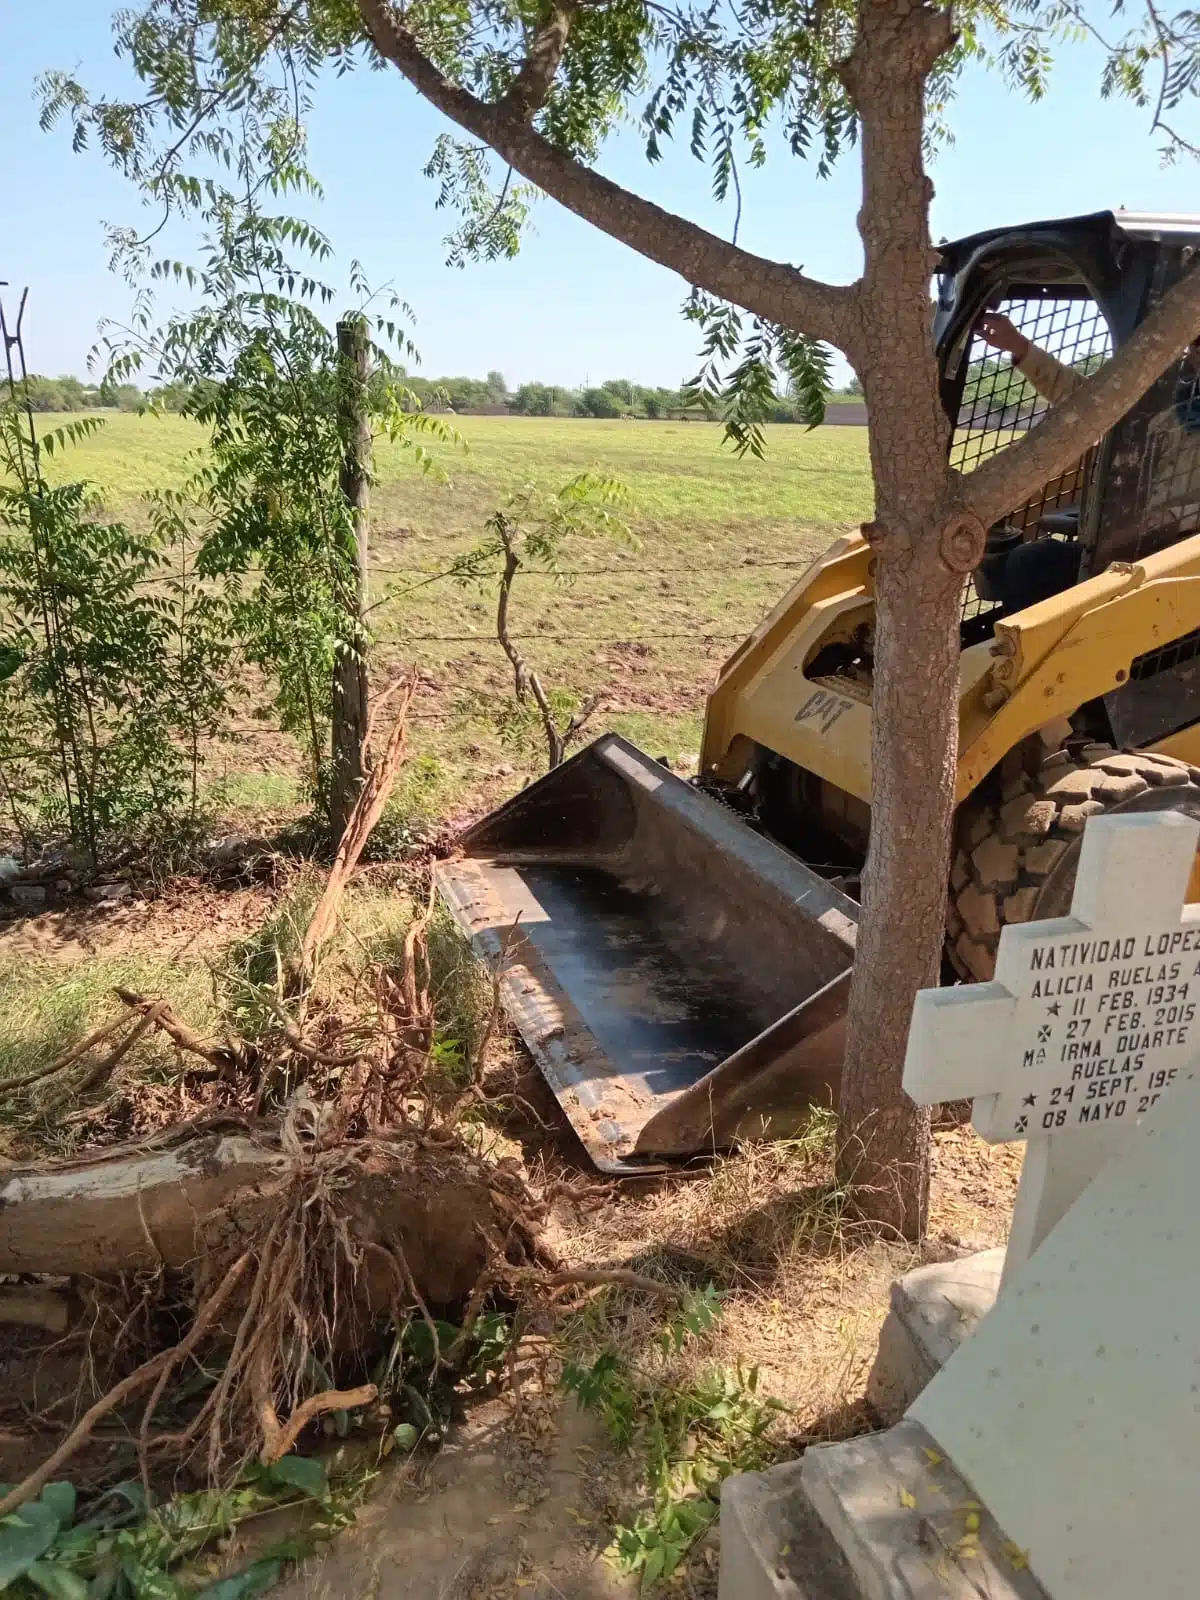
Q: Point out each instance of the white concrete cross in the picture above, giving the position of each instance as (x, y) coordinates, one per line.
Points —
(1089, 1018)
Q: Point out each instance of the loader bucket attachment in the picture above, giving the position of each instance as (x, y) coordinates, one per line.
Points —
(680, 980)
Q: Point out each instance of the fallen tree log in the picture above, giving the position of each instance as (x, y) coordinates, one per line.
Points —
(129, 1211)
(211, 1196)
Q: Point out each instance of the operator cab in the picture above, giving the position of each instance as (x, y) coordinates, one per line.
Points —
(1076, 289)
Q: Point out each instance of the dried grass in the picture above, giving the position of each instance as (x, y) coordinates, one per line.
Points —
(804, 1285)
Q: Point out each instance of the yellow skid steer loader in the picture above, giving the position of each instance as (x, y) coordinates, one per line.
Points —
(676, 955)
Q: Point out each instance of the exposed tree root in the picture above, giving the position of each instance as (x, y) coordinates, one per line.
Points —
(277, 1441)
(291, 1273)
(159, 1365)
(226, 1060)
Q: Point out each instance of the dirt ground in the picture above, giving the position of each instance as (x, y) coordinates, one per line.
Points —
(184, 922)
(495, 1515)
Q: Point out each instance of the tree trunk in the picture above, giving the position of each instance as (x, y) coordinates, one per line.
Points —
(350, 688)
(884, 1137)
(215, 1194)
(921, 551)
(125, 1213)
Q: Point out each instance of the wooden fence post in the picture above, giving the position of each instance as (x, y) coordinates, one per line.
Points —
(350, 685)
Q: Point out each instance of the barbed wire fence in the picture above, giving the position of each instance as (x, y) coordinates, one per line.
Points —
(703, 633)
(427, 577)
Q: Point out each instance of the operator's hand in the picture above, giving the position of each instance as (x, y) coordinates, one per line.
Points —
(999, 332)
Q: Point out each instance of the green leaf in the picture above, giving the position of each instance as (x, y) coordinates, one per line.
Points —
(103, 1584)
(419, 1406)
(147, 1582)
(256, 1579)
(23, 1538)
(60, 1498)
(38, 1513)
(420, 1340)
(653, 1565)
(73, 1544)
(301, 1472)
(60, 1583)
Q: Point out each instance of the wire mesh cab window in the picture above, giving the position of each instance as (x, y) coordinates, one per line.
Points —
(1151, 501)
(1152, 488)
(999, 403)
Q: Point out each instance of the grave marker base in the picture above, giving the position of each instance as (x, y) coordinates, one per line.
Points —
(880, 1518)
(933, 1310)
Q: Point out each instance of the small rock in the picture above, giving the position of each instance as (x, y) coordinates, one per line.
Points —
(28, 894)
(10, 868)
(228, 848)
(237, 850)
(107, 894)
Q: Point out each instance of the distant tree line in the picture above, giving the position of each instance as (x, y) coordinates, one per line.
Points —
(616, 397)
(70, 394)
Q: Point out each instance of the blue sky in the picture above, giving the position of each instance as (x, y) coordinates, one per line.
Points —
(574, 305)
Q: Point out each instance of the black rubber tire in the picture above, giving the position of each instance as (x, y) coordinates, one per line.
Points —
(1015, 861)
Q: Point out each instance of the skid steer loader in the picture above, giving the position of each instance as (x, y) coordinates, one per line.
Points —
(677, 955)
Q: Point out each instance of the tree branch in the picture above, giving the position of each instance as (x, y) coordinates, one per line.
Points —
(1073, 426)
(531, 86)
(769, 289)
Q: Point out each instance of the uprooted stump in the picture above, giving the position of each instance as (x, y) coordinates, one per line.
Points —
(197, 1201)
(288, 1251)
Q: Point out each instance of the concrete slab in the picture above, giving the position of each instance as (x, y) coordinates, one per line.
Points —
(773, 1545)
(933, 1309)
(908, 1524)
(886, 1517)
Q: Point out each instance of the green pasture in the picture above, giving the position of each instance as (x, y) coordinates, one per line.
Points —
(717, 541)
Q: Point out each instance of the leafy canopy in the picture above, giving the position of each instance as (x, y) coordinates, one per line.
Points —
(228, 85)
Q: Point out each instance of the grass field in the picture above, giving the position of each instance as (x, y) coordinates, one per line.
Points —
(719, 540)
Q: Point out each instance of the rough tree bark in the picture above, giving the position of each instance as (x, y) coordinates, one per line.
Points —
(929, 526)
(885, 1137)
(142, 1210)
(350, 687)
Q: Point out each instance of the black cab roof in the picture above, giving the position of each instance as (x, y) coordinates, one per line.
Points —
(1152, 227)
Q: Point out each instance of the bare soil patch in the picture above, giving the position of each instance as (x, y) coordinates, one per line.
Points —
(186, 920)
(505, 1510)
